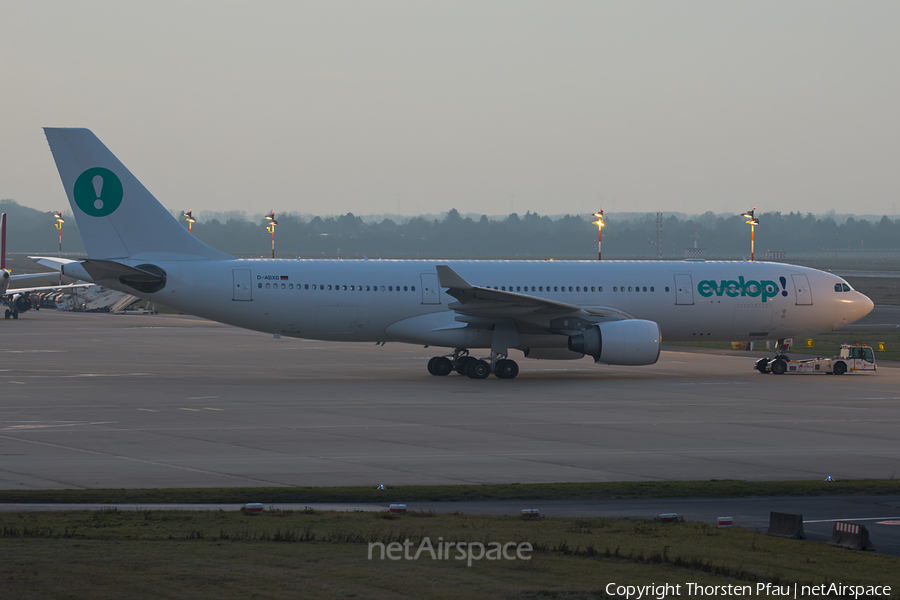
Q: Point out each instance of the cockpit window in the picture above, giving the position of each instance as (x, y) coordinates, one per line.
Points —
(842, 287)
(846, 287)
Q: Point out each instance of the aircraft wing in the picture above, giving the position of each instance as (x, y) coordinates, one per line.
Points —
(31, 275)
(487, 306)
(48, 288)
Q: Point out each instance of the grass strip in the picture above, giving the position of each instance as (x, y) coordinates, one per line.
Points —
(310, 554)
(726, 488)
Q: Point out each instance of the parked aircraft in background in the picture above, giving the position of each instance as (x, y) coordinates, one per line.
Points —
(17, 299)
(618, 312)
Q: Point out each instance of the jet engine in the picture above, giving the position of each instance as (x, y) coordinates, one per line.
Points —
(629, 342)
(20, 303)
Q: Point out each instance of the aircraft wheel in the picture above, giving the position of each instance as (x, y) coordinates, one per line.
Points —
(8, 314)
(441, 366)
(461, 363)
(761, 365)
(779, 366)
(506, 369)
(477, 369)
(840, 368)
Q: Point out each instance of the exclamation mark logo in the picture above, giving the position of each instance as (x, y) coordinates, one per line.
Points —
(97, 192)
(98, 189)
(783, 286)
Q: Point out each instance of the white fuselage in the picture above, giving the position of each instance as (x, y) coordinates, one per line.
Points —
(400, 300)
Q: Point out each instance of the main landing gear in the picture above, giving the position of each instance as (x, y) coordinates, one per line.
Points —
(474, 368)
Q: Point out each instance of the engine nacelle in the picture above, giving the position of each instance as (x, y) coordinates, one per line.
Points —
(20, 303)
(630, 342)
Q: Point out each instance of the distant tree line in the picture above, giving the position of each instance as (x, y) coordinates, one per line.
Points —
(527, 236)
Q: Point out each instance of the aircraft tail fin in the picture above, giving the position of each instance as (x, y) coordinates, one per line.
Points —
(117, 216)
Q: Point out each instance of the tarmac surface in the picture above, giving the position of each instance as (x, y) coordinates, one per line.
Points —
(138, 401)
(127, 401)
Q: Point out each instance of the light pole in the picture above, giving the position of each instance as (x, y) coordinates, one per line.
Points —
(270, 227)
(189, 217)
(59, 221)
(599, 223)
(752, 222)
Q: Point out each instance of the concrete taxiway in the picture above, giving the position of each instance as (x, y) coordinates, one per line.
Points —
(97, 401)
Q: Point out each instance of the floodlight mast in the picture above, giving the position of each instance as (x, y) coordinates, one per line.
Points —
(59, 221)
(752, 221)
(189, 217)
(270, 227)
(599, 223)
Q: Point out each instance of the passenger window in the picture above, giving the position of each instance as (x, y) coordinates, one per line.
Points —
(267, 286)
(283, 286)
(541, 288)
(382, 288)
(555, 288)
(651, 288)
(260, 285)
(645, 288)
(413, 288)
(390, 288)
(600, 289)
(503, 287)
(532, 288)
(570, 288)
(404, 289)
(615, 288)
(667, 288)
(629, 288)
(578, 288)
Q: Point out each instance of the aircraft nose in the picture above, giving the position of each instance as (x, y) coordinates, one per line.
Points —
(865, 305)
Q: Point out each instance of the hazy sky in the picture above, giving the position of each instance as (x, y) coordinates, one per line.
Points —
(329, 107)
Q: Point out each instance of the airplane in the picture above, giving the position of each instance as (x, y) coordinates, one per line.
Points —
(617, 312)
(17, 299)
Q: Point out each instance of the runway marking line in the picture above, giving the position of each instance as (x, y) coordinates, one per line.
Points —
(18, 382)
(148, 410)
(190, 409)
(210, 408)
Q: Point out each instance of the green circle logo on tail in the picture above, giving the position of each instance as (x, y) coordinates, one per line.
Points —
(98, 192)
